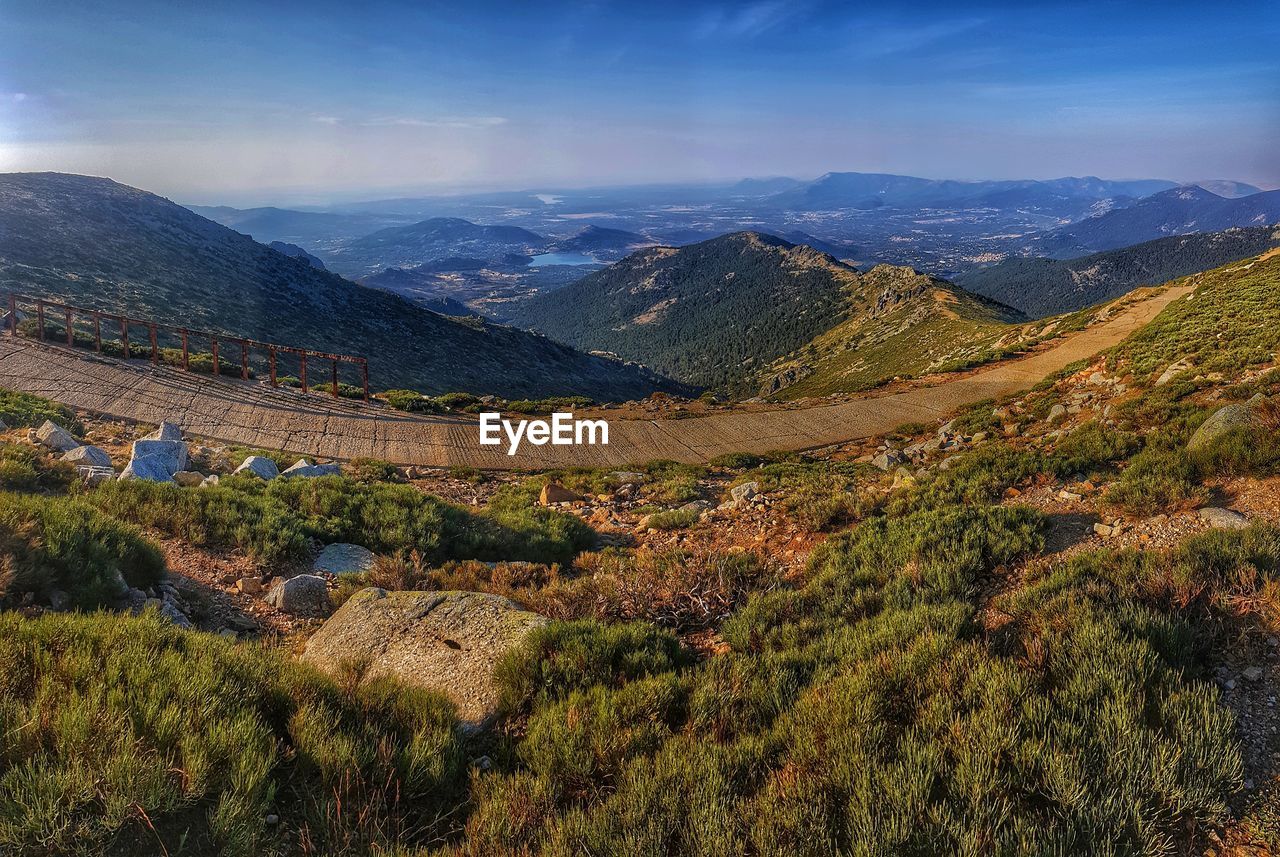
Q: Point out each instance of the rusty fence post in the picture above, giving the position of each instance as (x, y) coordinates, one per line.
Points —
(304, 372)
(244, 361)
(155, 345)
(40, 317)
(71, 335)
(97, 331)
(124, 335)
(216, 368)
(186, 354)
(364, 373)
(271, 360)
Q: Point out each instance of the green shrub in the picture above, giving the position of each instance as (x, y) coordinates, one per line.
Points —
(411, 401)
(19, 410)
(124, 734)
(563, 657)
(373, 470)
(25, 468)
(60, 544)
(273, 521)
(1157, 480)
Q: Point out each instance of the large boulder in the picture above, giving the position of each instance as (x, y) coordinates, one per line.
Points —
(445, 641)
(1224, 420)
(55, 437)
(88, 456)
(343, 559)
(305, 469)
(263, 468)
(304, 595)
(155, 460)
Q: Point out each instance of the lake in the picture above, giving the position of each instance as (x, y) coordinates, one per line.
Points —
(544, 259)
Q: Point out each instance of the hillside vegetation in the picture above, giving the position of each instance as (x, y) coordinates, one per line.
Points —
(103, 245)
(720, 313)
(1041, 286)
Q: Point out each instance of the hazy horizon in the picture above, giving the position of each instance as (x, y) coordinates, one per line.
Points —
(320, 103)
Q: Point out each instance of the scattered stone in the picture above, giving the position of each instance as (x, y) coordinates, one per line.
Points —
(304, 595)
(343, 558)
(210, 480)
(169, 456)
(257, 465)
(167, 431)
(1069, 496)
(91, 475)
(1252, 673)
(1223, 519)
(307, 470)
(554, 492)
(1172, 371)
(445, 641)
(188, 478)
(249, 585)
(1057, 413)
(1103, 530)
(89, 456)
(151, 468)
(887, 460)
(627, 477)
(698, 506)
(744, 493)
(55, 437)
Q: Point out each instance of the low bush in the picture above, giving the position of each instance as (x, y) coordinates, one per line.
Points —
(126, 735)
(19, 410)
(25, 468)
(274, 521)
(1157, 480)
(60, 544)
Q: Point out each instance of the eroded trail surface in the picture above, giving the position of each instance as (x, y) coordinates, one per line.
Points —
(253, 414)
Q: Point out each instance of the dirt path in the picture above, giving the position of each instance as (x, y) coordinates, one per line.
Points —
(253, 414)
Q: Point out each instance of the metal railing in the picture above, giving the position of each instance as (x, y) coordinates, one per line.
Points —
(69, 314)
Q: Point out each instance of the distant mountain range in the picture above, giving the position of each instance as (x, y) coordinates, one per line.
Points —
(304, 228)
(103, 244)
(720, 313)
(876, 190)
(1178, 211)
(1041, 286)
(602, 243)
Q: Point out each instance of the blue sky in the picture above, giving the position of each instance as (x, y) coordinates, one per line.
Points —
(250, 102)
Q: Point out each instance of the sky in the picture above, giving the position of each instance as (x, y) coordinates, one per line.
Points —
(251, 103)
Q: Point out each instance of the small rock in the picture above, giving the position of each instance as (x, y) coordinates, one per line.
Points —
(249, 585)
(1057, 413)
(1252, 673)
(627, 477)
(1069, 496)
(166, 431)
(89, 456)
(304, 595)
(188, 478)
(307, 470)
(257, 465)
(95, 475)
(210, 480)
(55, 437)
(554, 492)
(1103, 530)
(343, 558)
(887, 460)
(698, 506)
(272, 818)
(744, 493)
(1223, 519)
